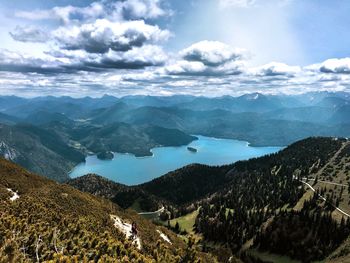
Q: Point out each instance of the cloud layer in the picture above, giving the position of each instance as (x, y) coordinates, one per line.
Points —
(117, 47)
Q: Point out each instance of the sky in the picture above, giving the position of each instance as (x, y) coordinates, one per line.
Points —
(166, 47)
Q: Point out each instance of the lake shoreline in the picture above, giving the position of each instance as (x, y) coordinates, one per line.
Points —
(129, 169)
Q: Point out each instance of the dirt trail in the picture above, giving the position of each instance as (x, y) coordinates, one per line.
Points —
(14, 196)
(126, 229)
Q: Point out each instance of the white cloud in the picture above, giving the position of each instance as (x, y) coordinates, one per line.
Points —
(142, 9)
(208, 58)
(275, 69)
(336, 66)
(148, 55)
(184, 67)
(102, 35)
(211, 53)
(113, 10)
(29, 34)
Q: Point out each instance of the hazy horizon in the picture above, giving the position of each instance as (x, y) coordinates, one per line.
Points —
(99, 96)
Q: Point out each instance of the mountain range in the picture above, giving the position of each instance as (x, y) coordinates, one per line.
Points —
(135, 124)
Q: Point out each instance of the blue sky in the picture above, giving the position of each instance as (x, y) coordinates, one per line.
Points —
(162, 47)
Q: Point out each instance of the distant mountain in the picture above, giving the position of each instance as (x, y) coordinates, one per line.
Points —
(341, 115)
(156, 101)
(115, 113)
(312, 114)
(44, 117)
(10, 101)
(333, 102)
(38, 150)
(7, 119)
(165, 117)
(71, 107)
(136, 139)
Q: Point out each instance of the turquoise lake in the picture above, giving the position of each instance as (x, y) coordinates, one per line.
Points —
(130, 170)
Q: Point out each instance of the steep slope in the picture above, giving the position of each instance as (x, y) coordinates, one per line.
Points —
(7, 119)
(50, 221)
(44, 117)
(127, 138)
(123, 195)
(38, 150)
(97, 185)
(115, 113)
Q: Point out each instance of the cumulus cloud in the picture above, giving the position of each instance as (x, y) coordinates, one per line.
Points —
(113, 10)
(102, 35)
(341, 66)
(211, 53)
(142, 9)
(195, 68)
(135, 58)
(208, 58)
(29, 34)
(276, 69)
(68, 61)
(65, 14)
(17, 62)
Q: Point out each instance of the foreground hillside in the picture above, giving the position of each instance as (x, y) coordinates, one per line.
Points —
(42, 220)
(294, 203)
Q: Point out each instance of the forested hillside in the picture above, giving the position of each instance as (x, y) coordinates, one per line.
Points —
(258, 204)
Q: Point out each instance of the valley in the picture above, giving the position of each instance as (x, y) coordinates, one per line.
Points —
(136, 124)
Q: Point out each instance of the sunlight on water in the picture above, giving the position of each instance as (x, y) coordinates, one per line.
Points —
(130, 170)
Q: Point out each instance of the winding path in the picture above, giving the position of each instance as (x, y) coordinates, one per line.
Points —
(155, 212)
(125, 228)
(324, 182)
(323, 198)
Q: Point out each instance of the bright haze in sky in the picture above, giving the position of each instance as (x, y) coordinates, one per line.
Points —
(166, 47)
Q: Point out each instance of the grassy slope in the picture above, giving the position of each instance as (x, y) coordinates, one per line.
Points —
(80, 220)
(186, 222)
